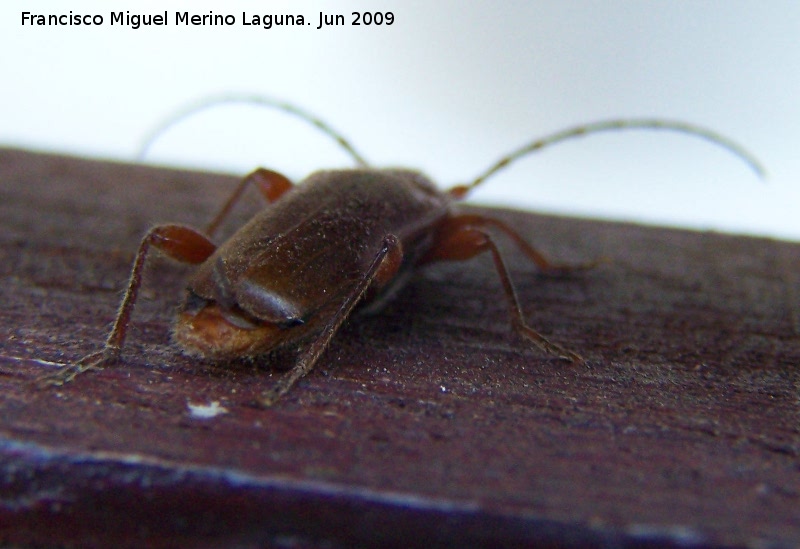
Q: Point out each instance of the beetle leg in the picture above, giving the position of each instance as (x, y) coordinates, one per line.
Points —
(456, 224)
(463, 237)
(271, 184)
(387, 259)
(176, 241)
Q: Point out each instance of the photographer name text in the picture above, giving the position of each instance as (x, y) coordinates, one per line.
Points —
(210, 19)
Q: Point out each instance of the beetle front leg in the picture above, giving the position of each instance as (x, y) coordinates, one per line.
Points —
(384, 266)
(181, 243)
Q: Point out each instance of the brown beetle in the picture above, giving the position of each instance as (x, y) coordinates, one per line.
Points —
(295, 272)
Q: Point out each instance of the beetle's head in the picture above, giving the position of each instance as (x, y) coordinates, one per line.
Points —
(207, 329)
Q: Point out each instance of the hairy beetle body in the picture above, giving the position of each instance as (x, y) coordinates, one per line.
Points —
(273, 282)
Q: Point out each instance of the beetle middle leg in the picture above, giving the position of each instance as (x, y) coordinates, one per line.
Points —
(462, 237)
(179, 242)
(386, 263)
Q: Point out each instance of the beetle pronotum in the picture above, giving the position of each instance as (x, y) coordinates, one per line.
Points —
(295, 272)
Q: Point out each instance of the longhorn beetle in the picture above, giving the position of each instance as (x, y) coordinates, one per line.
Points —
(295, 272)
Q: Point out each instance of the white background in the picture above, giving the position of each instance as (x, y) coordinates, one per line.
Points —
(448, 88)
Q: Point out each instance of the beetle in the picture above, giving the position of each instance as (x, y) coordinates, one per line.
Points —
(296, 271)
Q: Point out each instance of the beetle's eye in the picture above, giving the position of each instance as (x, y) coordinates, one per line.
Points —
(193, 303)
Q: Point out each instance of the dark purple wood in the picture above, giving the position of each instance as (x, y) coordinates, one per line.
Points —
(429, 424)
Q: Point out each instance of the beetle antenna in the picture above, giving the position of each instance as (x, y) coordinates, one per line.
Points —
(284, 106)
(737, 150)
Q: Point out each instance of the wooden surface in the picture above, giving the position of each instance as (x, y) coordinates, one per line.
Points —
(430, 424)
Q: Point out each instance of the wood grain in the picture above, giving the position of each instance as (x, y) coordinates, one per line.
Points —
(428, 424)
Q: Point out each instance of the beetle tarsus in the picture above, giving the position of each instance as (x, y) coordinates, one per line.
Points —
(548, 346)
(92, 362)
(270, 397)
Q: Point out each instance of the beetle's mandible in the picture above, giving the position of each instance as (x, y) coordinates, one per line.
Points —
(297, 270)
